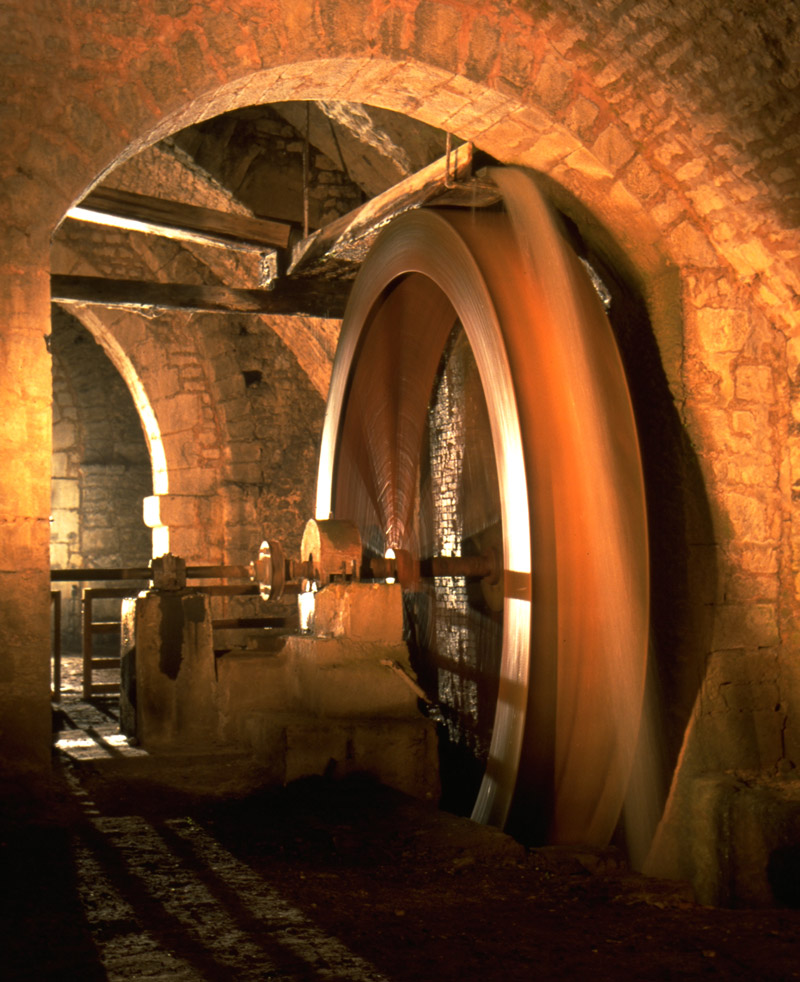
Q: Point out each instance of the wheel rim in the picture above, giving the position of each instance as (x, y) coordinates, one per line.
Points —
(571, 669)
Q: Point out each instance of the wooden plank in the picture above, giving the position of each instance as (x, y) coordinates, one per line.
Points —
(349, 237)
(320, 298)
(158, 214)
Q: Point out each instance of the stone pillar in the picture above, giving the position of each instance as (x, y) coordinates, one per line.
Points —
(25, 450)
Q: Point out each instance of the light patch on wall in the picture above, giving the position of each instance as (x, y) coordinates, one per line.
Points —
(356, 118)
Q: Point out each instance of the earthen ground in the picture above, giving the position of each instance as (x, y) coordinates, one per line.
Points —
(132, 868)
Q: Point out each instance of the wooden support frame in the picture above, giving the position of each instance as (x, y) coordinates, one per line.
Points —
(161, 217)
(320, 298)
(319, 266)
(349, 237)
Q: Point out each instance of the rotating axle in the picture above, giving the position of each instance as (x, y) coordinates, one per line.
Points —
(331, 550)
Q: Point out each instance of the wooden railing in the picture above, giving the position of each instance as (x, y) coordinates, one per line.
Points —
(91, 628)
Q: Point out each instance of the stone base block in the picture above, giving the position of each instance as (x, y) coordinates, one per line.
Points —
(250, 682)
(321, 677)
(360, 612)
(745, 841)
(341, 677)
(320, 706)
(400, 753)
(305, 706)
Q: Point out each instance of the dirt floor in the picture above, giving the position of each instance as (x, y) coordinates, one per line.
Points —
(134, 869)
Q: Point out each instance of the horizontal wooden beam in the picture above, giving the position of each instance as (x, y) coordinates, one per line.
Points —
(349, 237)
(159, 216)
(317, 298)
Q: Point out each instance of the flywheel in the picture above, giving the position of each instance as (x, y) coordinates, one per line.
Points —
(478, 407)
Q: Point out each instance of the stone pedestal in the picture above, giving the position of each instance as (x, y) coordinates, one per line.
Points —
(304, 705)
(360, 612)
(739, 842)
(746, 842)
(175, 687)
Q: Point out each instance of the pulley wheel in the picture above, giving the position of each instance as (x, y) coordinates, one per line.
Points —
(478, 403)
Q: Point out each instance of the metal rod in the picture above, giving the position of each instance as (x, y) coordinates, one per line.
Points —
(398, 669)
(146, 573)
(78, 575)
(305, 171)
(456, 566)
(480, 566)
(229, 590)
(221, 572)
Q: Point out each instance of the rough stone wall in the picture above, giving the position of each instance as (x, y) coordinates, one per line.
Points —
(273, 420)
(65, 494)
(226, 434)
(260, 158)
(668, 131)
(239, 421)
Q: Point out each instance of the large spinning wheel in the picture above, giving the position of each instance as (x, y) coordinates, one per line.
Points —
(478, 407)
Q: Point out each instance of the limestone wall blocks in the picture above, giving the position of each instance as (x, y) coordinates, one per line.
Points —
(692, 244)
(755, 470)
(722, 329)
(754, 383)
(745, 587)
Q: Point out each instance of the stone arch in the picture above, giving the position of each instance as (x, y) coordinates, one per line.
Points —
(121, 360)
(547, 110)
(584, 164)
(585, 180)
(576, 141)
(588, 181)
(566, 78)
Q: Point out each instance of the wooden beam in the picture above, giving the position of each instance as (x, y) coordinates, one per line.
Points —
(349, 237)
(318, 298)
(159, 216)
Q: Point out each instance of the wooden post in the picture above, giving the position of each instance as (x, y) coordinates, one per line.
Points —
(87, 644)
(55, 597)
